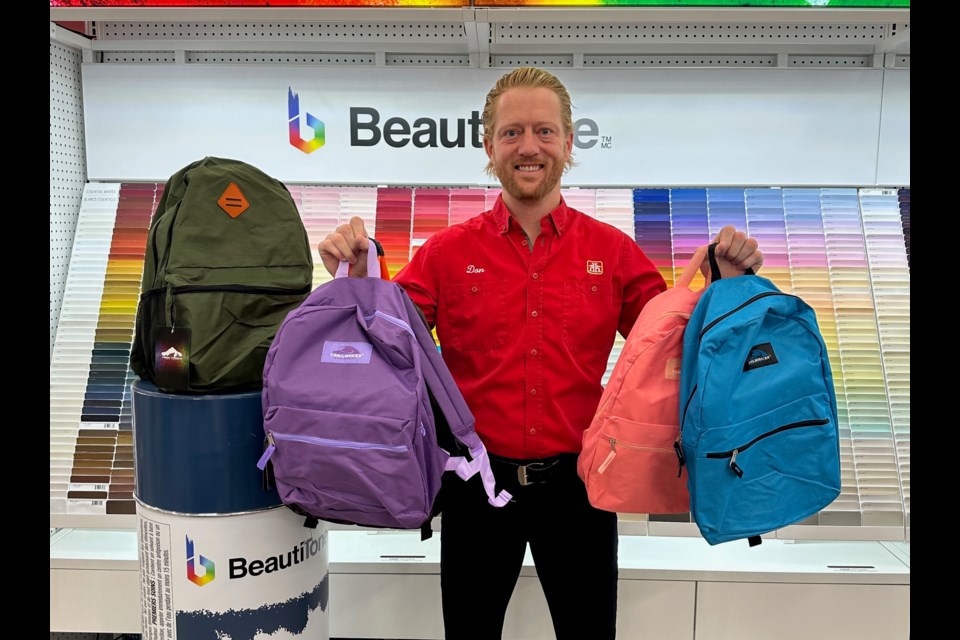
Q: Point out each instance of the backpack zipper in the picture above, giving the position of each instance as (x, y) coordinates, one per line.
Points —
(679, 443)
(748, 302)
(693, 392)
(171, 312)
(613, 453)
(272, 437)
(392, 320)
(732, 454)
(237, 288)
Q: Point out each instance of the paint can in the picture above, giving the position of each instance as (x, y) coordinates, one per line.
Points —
(220, 556)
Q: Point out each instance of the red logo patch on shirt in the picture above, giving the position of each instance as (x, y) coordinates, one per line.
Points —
(595, 267)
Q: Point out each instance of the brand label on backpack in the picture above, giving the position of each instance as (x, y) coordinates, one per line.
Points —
(172, 357)
(346, 352)
(232, 201)
(761, 355)
(672, 369)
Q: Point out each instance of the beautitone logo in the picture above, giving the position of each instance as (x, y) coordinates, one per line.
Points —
(315, 124)
(370, 128)
(208, 567)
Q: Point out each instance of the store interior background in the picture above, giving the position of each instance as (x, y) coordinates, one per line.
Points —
(862, 295)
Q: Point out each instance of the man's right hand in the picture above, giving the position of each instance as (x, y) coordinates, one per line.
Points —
(348, 243)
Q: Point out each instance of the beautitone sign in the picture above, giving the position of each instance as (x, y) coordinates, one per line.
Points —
(370, 126)
(328, 126)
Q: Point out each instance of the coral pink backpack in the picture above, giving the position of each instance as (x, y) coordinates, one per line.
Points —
(629, 461)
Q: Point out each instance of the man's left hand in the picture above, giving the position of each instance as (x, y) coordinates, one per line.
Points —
(740, 251)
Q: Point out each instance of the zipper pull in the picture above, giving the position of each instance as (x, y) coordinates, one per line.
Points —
(680, 459)
(610, 456)
(271, 447)
(734, 466)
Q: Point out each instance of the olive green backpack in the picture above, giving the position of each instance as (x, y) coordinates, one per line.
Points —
(227, 258)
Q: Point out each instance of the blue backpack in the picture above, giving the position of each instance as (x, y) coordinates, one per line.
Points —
(360, 413)
(758, 411)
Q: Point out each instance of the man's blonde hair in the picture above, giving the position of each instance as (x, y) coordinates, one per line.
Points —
(526, 77)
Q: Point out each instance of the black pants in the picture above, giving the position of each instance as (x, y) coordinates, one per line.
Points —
(574, 549)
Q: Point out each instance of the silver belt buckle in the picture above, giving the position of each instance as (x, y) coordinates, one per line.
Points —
(522, 473)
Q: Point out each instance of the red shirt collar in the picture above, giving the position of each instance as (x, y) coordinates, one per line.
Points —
(558, 217)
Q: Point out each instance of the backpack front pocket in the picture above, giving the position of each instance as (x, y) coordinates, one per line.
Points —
(765, 475)
(232, 327)
(348, 467)
(636, 469)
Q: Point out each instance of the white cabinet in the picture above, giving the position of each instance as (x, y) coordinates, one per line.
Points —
(739, 610)
(386, 585)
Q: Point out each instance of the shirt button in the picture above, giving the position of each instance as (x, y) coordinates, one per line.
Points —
(534, 314)
(523, 242)
(593, 288)
(533, 352)
(473, 289)
(533, 392)
(536, 275)
(533, 431)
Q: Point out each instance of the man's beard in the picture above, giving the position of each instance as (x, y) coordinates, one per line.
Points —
(508, 180)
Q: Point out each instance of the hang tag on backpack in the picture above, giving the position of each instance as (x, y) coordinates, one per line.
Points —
(172, 357)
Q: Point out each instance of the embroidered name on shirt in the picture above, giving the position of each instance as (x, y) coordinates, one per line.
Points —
(595, 267)
(473, 269)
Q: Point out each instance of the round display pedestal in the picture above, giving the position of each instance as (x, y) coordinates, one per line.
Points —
(220, 556)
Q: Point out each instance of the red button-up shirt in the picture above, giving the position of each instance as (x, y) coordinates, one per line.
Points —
(527, 334)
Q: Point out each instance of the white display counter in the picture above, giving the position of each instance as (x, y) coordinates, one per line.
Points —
(386, 584)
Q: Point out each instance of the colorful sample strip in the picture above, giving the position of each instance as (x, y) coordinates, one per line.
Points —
(70, 366)
(395, 225)
(904, 198)
(766, 223)
(431, 212)
(94, 337)
(615, 207)
(889, 276)
(844, 251)
(651, 229)
(320, 210)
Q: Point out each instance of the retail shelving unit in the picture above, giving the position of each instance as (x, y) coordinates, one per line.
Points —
(605, 36)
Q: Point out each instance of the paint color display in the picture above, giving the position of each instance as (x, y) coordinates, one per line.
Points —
(889, 275)
(844, 251)
(94, 338)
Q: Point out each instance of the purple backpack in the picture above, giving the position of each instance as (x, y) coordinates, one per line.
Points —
(350, 386)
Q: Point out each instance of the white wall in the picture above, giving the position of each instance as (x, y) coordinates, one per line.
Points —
(893, 155)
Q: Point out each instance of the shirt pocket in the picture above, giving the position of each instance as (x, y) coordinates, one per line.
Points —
(476, 316)
(590, 315)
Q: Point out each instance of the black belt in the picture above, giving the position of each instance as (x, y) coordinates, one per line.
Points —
(527, 472)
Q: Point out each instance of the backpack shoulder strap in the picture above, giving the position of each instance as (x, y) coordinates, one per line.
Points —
(455, 410)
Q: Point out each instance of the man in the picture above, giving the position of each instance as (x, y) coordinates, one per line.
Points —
(527, 299)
